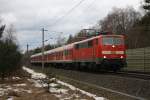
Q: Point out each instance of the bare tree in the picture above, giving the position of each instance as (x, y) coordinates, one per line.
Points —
(10, 33)
(60, 40)
(139, 35)
(2, 27)
(119, 20)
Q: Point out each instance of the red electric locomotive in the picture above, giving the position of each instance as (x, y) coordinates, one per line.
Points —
(98, 52)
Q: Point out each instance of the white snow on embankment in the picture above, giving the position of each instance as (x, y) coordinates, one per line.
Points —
(38, 83)
(6, 89)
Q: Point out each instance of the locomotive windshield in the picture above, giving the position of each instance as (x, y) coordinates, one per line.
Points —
(112, 41)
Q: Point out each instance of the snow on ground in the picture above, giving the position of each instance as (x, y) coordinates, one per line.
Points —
(34, 74)
(23, 84)
(61, 93)
(10, 98)
(5, 89)
(2, 91)
(53, 85)
(82, 91)
(55, 90)
(16, 78)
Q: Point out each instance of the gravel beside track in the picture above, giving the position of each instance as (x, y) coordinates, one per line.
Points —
(110, 86)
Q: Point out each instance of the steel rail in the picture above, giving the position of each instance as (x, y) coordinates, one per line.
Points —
(103, 88)
(134, 75)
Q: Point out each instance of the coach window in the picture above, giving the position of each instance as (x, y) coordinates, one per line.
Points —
(66, 52)
(61, 53)
(69, 52)
(57, 55)
(96, 41)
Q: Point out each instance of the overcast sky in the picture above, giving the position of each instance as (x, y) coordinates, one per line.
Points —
(29, 16)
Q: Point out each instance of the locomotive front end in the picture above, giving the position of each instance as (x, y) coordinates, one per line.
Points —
(113, 52)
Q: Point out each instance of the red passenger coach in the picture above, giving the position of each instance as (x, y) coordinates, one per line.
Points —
(98, 52)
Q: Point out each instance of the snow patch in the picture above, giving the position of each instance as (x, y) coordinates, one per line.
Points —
(82, 91)
(53, 85)
(28, 91)
(16, 78)
(23, 84)
(10, 98)
(35, 82)
(34, 75)
(55, 90)
(2, 91)
(66, 84)
(22, 90)
(59, 92)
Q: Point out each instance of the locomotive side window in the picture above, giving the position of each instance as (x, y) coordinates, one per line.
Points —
(77, 46)
(112, 41)
(87, 44)
(83, 45)
(90, 44)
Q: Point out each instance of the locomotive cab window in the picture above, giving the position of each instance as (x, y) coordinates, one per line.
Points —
(112, 41)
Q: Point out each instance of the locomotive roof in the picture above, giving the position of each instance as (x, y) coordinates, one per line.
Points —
(87, 40)
(94, 38)
(69, 46)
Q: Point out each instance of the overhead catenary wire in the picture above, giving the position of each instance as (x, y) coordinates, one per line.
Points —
(62, 17)
(60, 20)
(78, 4)
(69, 11)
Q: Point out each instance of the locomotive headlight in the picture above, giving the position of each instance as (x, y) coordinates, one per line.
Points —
(105, 57)
(121, 57)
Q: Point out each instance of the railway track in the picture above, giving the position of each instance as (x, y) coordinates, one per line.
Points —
(132, 74)
(100, 88)
(138, 75)
(109, 85)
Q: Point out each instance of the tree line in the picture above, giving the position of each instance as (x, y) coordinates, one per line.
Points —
(10, 56)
